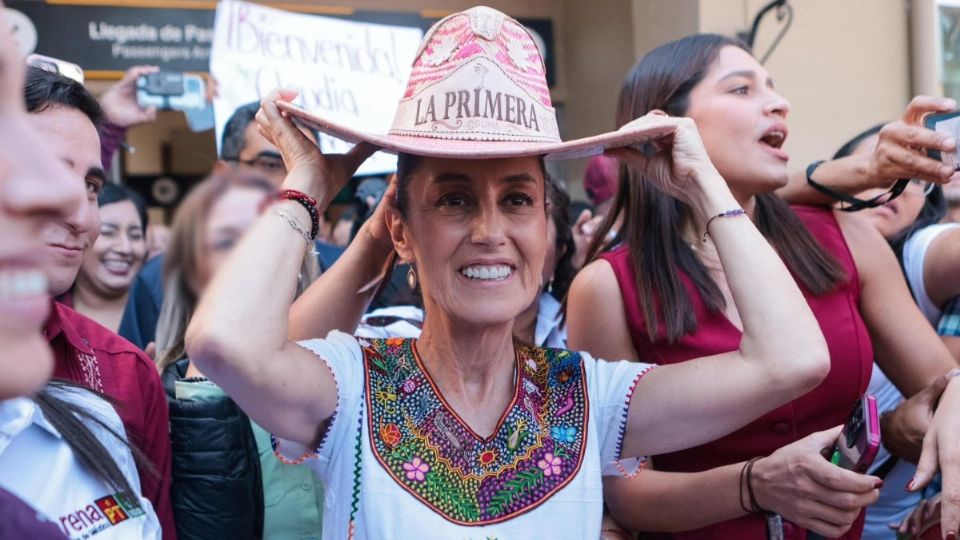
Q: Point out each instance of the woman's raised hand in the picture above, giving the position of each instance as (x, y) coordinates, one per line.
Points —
(677, 164)
(308, 169)
(798, 483)
(901, 151)
(375, 229)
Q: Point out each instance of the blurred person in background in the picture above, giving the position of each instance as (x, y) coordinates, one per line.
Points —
(659, 293)
(67, 115)
(929, 255)
(951, 193)
(113, 262)
(600, 181)
(342, 232)
(226, 481)
(158, 238)
(58, 454)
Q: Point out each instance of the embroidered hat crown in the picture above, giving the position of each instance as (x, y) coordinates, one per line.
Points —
(478, 76)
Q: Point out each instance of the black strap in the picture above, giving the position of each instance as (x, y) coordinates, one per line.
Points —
(854, 203)
(884, 469)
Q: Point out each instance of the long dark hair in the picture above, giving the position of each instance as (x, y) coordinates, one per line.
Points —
(558, 203)
(934, 203)
(113, 193)
(71, 421)
(652, 221)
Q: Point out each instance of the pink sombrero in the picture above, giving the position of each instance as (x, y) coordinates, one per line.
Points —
(478, 89)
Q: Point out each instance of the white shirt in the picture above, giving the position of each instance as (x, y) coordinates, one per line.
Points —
(37, 465)
(387, 504)
(914, 260)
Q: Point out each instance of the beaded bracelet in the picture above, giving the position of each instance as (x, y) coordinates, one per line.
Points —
(729, 213)
(309, 204)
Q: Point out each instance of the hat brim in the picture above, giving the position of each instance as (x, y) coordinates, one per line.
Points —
(446, 148)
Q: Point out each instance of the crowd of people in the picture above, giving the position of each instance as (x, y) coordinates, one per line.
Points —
(466, 352)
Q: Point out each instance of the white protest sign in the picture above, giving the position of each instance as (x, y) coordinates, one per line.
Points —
(351, 73)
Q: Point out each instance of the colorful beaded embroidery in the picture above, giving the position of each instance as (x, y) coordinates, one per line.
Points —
(420, 441)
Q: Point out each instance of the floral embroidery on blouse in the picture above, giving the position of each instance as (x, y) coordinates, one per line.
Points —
(427, 449)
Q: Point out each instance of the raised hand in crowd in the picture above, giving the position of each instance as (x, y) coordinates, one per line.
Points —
(119, 102)
(901, 152)
(307, 168)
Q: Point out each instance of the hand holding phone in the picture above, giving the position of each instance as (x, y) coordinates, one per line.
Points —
(858, 443)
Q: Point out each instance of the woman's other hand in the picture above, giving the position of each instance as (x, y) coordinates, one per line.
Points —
(375, 228)
(798, 483)
(903, 428)
(941, 451)
(925, 514)
(119, 102)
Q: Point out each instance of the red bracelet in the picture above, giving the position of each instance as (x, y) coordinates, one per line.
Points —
(309, 204)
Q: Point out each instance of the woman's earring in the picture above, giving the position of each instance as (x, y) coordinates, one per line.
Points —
(412, 278)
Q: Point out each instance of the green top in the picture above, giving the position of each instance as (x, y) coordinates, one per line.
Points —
(292, 494)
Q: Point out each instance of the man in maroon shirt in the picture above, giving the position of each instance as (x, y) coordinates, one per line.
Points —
(67, 115)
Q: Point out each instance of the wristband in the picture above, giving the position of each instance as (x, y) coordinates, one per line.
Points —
(754, 507)
(728, 213)
(854, 203)
(309, 204)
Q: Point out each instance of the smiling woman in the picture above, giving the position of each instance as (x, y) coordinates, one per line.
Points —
(108, 270)
(464, 431)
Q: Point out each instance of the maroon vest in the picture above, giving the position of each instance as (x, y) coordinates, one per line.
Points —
(828, 405)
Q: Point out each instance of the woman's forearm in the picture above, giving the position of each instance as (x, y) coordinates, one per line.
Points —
(850, 176)
(781, 337)
(670, 502)
(252, 291)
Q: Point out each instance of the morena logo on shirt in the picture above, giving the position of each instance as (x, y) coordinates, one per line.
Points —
(100, 515)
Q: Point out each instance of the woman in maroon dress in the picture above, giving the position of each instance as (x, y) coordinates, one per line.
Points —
(659, 294)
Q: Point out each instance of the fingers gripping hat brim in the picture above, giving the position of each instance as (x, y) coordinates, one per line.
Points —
(469, 149)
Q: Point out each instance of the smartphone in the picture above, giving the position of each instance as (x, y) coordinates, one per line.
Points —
(171, 91)
(55, 65)
(859, 441)
(948, 123)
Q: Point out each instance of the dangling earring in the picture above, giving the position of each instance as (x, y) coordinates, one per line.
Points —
(550, 286)
(412, 278)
